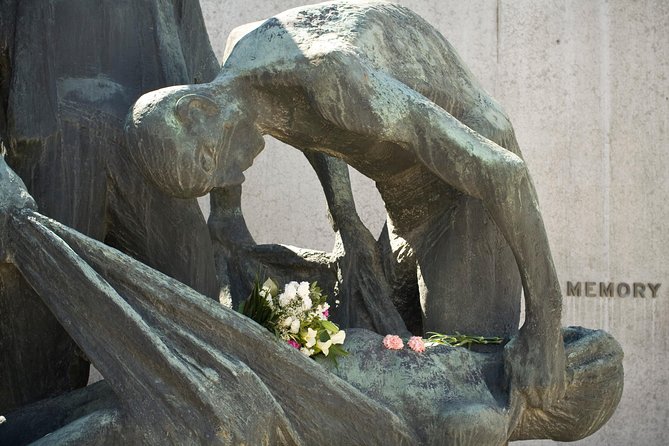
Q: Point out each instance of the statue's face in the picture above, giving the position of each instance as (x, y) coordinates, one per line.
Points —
(187, 142)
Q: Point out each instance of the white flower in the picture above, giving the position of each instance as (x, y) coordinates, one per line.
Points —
(289, 294)
(303, 290)
(306, 303)
(284, 300)
(307, 351)
(287, 322)
(2, 419)
(338, 338)
(225, 299)
(310, 337)
(295, 326)
(291, 288)
(324, 346)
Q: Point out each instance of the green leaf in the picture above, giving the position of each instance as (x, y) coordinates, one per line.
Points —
(460, 340)
(257, 308)
(272, 286)
(338, 350)
(316, 294)
(330, 326)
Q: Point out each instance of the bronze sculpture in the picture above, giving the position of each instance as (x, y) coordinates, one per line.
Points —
(348, 97)
(184, 369)
(63, 100)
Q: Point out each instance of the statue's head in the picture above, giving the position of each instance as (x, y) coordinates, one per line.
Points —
(190, 139)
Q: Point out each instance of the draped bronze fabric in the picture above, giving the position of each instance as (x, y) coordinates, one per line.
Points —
(69, 71)
(182, 369)
(185, 368)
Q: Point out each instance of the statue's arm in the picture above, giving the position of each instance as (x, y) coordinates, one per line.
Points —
(226, 221)
(377, 105)
(240, 260)
(364, 289)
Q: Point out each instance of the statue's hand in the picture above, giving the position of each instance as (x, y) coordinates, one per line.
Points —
(13, 197)
(364, 282)
(535, 366)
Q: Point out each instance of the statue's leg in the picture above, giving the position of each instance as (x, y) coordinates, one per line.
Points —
(469, 278)
(379, 106)
(470, 265)
(240, 261)
(363, 287)
(399, 267)
(444, 254)
(167, 233)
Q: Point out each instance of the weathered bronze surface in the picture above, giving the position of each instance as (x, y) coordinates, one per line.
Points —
(69, 71)
(368, 84)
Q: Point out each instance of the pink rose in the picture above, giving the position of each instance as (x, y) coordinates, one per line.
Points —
(416, 344)
(326, 314)
(393, 342)
(294, 343)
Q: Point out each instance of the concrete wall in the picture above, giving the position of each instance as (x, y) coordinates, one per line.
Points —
(586, 84)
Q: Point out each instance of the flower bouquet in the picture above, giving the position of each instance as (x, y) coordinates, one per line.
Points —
(418, 344)
(298, 315)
